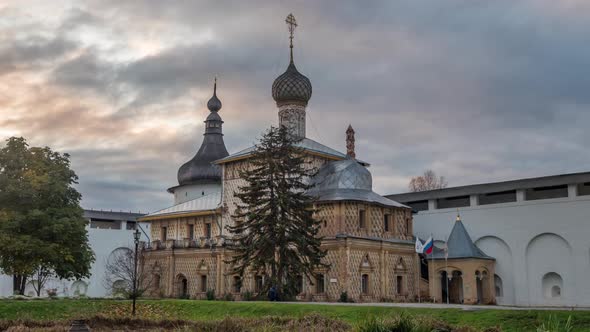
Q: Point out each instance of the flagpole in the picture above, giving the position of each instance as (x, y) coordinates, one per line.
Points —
(432, 261)
(447, 268)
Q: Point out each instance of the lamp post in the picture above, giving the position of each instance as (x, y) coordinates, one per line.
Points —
(136, 236)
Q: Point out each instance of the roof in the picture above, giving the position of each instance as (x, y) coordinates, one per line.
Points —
(484, 188)
(112, 215)
(305, 143)
(208, 202)
(346, 180)
(460, 245)
(200, 168)
(357, 195)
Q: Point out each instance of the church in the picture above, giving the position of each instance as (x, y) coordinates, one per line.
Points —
(369, 239)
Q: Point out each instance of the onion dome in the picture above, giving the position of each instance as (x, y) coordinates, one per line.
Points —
(291, 87)
(200, 168)
(214, 104)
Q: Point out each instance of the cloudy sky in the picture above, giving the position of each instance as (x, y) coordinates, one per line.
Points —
(476, 90)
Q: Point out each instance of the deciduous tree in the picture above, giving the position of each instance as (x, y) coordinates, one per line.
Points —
(42, 228)
(428, 181)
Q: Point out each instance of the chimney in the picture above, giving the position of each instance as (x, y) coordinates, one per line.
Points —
(350, 142)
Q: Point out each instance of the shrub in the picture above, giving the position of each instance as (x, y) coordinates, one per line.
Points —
(553, 324)
(248, 296)
(228, 297)
(343, 297)
(52, 292)
(210, 294)
(404, 323)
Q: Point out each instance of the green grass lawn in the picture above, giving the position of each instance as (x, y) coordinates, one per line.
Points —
(51, 310)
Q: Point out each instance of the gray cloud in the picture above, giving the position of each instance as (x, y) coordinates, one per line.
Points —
(478, 91)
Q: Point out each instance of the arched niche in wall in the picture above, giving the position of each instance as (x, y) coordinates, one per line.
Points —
(498, 248)
(552, 285)
(548, 253)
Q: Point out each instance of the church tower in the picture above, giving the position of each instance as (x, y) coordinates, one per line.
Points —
(291, 91)
(199, 177)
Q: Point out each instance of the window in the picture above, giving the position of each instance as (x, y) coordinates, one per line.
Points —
(157, 282)
(130, 225)
(497, 197)
(452, 202)
(203, 283)
(208, 230)
(320, 284)
(583, 189)
(362, 219)
(365, 284)
(418, 205)
(258, 283)
(237, 284)
(408, 226)
(399, 285)
(299, 284)
(386, 222)
(546, 192)
(191, 231)
(164, 233)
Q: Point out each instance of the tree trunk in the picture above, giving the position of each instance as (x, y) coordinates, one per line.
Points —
(18, 284)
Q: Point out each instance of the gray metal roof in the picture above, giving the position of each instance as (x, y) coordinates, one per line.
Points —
(203, 203)
(460, 245)
(342, 174)
(112, 215)
(346, 180)
(544, 181)
(305, 143)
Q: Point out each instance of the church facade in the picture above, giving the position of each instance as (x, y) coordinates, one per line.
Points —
(368, 238)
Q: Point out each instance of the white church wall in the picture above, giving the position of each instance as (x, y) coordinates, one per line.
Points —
(529, 239)
(497, 248)
(192, 191)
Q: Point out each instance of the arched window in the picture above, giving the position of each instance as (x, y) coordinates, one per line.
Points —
(552, 285)
(365, 284)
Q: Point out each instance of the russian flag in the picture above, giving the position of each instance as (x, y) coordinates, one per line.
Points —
(428, 246)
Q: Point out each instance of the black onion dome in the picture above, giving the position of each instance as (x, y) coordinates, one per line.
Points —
(200, 168)
(214, 104)
(291, 87)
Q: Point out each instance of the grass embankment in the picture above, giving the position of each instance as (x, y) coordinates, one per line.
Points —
(64, 310)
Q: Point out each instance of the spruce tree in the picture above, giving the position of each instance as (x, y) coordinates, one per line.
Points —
(275, 230)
